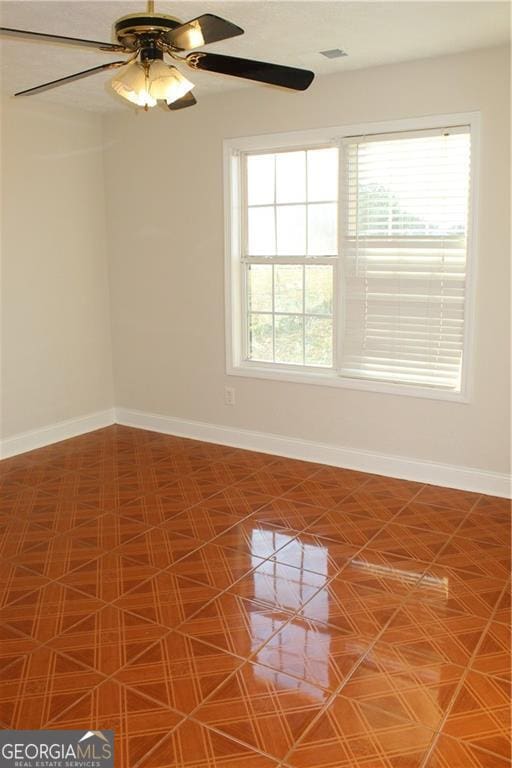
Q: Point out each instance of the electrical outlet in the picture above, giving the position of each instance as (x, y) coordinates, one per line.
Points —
(229, 395)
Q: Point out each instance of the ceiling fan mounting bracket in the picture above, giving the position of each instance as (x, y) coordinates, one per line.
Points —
(133, 29)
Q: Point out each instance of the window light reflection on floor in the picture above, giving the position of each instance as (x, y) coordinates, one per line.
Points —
(297, 647)
(440, 583)
(296, 653)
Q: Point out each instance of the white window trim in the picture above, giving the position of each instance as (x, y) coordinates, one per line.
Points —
(234, 322)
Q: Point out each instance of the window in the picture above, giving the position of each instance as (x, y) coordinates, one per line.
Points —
(291, 236)
(348, 257)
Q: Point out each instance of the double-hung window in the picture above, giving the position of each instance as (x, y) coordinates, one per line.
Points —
(348, 257)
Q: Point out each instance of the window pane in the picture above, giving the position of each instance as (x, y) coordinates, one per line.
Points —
(289, 213)
(291, 230)
(262, 238)
(291, 177)
(319, 290)
(260, 338)
(260, 287)
(288, 288)
(289, 339)
(322, 230)
(323, 174)
(318, 341)
(260, 179)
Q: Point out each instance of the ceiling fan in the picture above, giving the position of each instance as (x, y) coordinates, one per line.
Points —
(145, 79)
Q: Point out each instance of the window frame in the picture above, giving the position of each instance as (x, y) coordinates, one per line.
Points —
(234, 268)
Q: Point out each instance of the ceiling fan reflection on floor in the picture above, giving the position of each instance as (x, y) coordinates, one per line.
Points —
(145, 79)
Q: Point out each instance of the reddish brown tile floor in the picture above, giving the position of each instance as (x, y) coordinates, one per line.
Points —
(219, 608)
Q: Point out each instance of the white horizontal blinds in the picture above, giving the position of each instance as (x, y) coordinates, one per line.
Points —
(405, 247)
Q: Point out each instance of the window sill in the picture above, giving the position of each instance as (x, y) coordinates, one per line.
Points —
(331, 379)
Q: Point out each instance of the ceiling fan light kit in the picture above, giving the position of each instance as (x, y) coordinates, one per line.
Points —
(145, 84)
(145, 79)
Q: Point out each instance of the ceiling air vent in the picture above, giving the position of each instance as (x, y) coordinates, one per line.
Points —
(333, 53)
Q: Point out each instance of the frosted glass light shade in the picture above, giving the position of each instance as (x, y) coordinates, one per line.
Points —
(132, 84)
(145, 87)
(166, 83)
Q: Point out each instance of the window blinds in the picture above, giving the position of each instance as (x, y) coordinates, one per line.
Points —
(405, 247)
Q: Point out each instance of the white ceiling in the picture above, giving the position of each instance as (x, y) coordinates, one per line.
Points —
(286, 32)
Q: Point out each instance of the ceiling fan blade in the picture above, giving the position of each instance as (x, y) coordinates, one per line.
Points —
(43, 37)
(70, 78)
(201, 31)
(188, 100)
(261, 71)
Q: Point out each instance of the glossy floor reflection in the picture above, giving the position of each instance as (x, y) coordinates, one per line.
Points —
(220, 608)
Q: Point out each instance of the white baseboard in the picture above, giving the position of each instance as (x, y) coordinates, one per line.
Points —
(53, 433)
(463, 478)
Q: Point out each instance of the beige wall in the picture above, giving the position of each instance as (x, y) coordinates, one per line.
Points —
(163, 181)
(165, 214)
(56, 351)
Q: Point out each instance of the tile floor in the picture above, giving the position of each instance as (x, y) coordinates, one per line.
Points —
(220, 608)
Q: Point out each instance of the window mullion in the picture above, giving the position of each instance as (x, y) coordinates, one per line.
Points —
(339, 272)
(304, 312)
(273, 267)
(273, 315)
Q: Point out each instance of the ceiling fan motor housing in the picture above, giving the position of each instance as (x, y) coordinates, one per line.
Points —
(143, 31)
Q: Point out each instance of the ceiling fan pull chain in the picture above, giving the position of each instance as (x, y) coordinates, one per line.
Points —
(151, 6)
